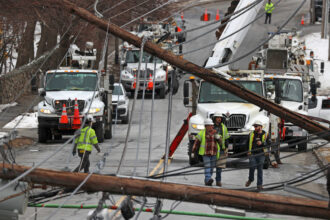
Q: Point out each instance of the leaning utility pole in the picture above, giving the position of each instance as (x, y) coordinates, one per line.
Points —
(208, 75)
(182, 192)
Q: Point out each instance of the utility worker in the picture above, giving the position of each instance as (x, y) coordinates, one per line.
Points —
(257, 152)
(209, 142)
(223, 131)
(84, 144)
(268, 9)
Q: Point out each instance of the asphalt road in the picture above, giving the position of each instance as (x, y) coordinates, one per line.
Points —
(291, 168)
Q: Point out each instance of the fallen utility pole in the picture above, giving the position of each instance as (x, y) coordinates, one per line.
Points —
(197, 194)
(208, 75)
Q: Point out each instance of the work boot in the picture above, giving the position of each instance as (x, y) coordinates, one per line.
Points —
(279, 162)
(209, 182)
(219, 184)
(260, 188)
(248, 183)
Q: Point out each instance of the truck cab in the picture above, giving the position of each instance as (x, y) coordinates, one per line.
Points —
(238, 114)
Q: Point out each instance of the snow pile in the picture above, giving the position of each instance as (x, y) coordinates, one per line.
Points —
(320, 48)
(4, 106)
(29, 120)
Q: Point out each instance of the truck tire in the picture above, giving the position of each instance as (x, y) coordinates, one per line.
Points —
(43, 134)
(99, 130)
(162, 93)
(303, 146)
(108, 133)
(125, 119)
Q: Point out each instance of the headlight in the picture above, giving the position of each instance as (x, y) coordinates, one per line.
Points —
(45, 111)
(197, 126)
(94, 110)
(121, 102)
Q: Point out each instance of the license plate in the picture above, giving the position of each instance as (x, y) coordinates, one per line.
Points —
(297, 133)
(230, 147)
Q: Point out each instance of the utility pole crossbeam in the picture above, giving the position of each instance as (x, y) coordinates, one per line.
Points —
(197, 194)
(208, 75)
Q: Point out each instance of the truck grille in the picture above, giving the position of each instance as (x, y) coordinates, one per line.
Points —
(235, 121)
(58, 106)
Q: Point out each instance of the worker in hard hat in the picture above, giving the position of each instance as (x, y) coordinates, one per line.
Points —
(209, 148)
(221, 129)
(257, 151)
(269, 9)
(84, 144)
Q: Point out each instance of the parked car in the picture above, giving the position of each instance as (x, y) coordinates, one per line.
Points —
(320, 108)
(120, 104)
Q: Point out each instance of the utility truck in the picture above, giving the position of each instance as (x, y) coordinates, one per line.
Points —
(69, 95)
(238, 114)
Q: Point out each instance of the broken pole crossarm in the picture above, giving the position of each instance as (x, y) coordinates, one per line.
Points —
(197, 194)
(208, 75)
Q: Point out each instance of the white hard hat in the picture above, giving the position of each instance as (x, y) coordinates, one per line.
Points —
(90, 118)
(208, 121)
(257, 123)
(217, 114)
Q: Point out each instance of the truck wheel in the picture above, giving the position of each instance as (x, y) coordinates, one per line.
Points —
(125, 119)
(303, 146)
(162, 93)
(43, 134)
(108, 133)
(99, 130)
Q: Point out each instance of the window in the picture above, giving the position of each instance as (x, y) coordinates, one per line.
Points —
(71, 81)
(312, 104)
(325, 104)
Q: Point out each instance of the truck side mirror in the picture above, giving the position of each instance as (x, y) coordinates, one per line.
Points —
(42, 92)
(186, 93)
(111, 81)
(322, 67)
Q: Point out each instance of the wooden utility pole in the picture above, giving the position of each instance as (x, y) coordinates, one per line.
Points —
(324, 20)
(206, 74)
(197, 194)
(312, 11)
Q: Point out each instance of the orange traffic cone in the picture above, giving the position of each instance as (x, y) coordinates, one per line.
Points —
(181, 15)
(150, 83)
(302, 22)
(64, 116)
(134, 84)
(205, 15)
(76, 119)
(178, 29)
(217, 16)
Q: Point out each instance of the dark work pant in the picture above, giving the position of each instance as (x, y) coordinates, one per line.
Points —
(256, 162)
(84, 161)
(268, 17)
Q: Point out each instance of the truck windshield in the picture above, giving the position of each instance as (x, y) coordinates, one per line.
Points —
(71, 81)
(117, 90)
(290, 89)
(133, 56)
(210, 93)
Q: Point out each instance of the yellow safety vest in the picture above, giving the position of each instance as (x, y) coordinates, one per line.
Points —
(86, 139)
(263, 139)
(269, 8)
(225, 135)
(201, 137)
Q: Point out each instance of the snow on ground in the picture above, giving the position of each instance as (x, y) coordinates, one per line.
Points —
(30, 120)
(4, 106)
(320, 48)
(3, 134)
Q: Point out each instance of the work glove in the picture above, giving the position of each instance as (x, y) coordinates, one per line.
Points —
(249, 153)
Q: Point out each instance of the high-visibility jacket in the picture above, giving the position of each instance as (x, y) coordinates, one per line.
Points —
(269, 8)
(201, 137)
(263, 140)
(86, 139)
(224, 135)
